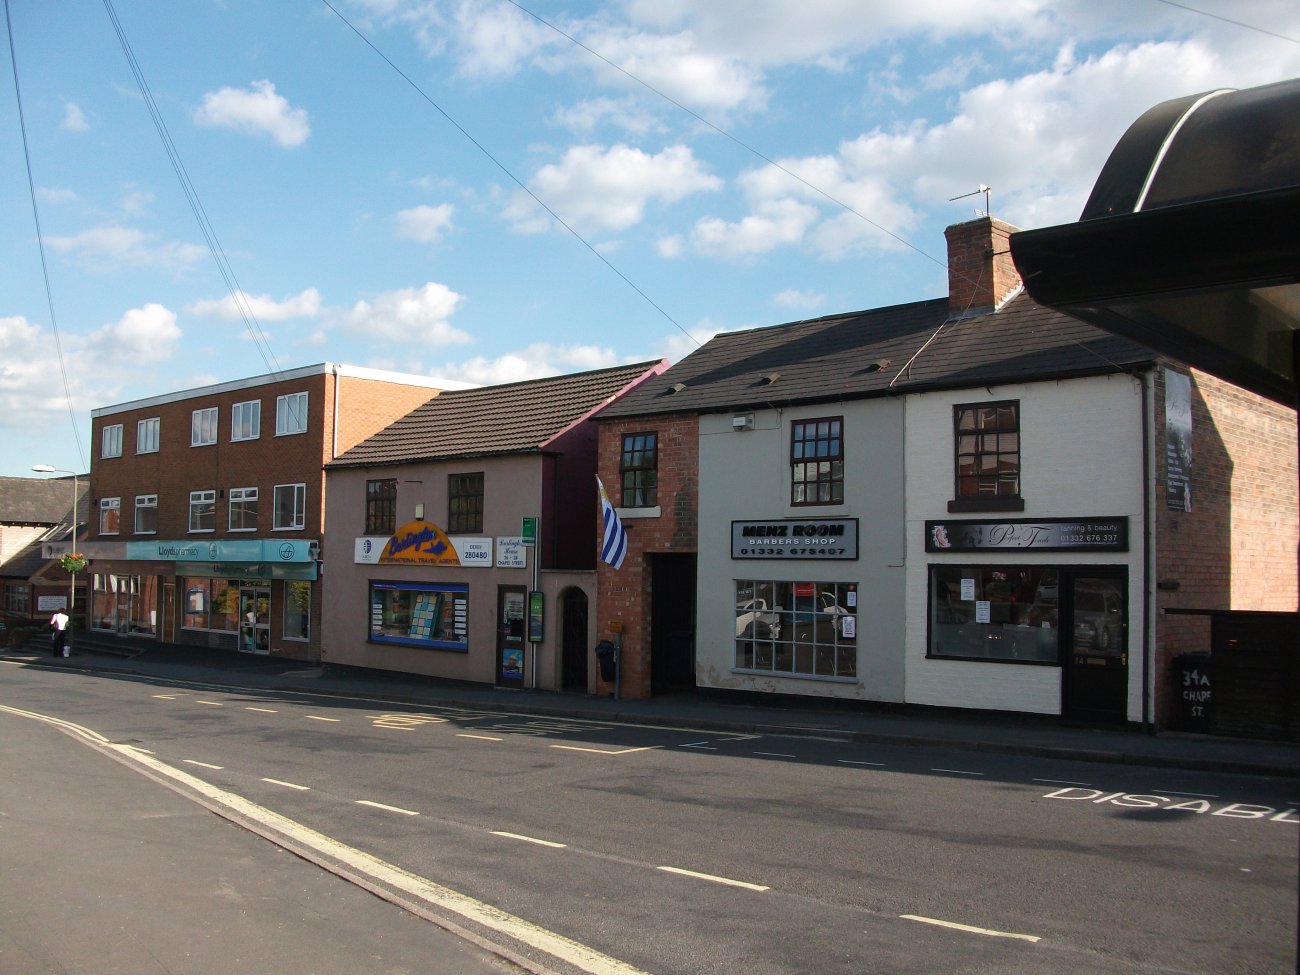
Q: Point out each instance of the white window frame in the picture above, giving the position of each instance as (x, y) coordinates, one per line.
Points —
(105, 506)
(110, 444)
(291, 414)
(203, 427)
(246, 415)
(145, 502)
(147, 435)
(299, 508)
(203, 498)
(241, 495)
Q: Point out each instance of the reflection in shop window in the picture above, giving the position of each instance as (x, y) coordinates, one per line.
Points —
(211, 604)
(805, 629)
(297, 610)
(420, 614)
(124, 604)
(995, 612)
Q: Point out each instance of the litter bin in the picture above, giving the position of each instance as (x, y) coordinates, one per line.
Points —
(605, 652)
(1196, 691)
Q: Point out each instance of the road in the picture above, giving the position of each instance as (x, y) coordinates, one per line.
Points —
(598, 847)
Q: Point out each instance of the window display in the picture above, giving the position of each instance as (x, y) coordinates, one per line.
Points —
(805, 629)
(420, 614)
(995, 612)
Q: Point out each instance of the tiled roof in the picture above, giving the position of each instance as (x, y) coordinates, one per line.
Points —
(883, 351)
(39, 500)
(511, 418)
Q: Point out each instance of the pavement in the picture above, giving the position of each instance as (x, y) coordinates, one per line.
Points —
(978, 731)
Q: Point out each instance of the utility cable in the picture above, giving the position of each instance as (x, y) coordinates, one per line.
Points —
(45, 270)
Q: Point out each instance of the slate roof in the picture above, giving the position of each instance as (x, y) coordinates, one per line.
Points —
(40, 500)
(879, 352)
(506, 419)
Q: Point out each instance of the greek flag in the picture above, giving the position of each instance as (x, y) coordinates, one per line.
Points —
(614, 545)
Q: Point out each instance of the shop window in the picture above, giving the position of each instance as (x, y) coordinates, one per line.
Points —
(464, 503)
(290, 506)
(297, 610)
(1008, 613)
(797, 629)
(817, 461)
(986, 440)
(146, 435)
(290, 414)
(203, 427)
(246, 420)
(110, 444)
(638, 469)
(124, 604)
(210, 604)
(110, 515)
(146, 514)
(381, 506)
(203, 511)
(243, 509)
(420, 615)
(18, 598)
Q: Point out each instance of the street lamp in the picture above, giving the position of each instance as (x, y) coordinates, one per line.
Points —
(72, 584)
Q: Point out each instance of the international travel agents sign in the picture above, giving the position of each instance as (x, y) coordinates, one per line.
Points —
(424, 543)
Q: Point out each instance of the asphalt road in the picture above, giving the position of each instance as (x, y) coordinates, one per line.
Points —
(583, 846)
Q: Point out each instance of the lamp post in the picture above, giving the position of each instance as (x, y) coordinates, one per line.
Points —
(72, 584)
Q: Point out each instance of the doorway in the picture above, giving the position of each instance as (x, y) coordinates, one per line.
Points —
(254, 619)
(511, 618)
(672, 623)
(1095, 655)
(573, 640)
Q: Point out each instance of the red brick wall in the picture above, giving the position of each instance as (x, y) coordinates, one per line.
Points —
(366, 406)
(625, 594)
(981, 273)
(1236, 548)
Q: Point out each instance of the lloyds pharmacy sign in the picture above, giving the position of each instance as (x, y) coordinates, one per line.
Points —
(228, 550)
(795, 538)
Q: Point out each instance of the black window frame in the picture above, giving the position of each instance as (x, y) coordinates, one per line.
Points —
(827, 463)
(638, 470)
(465, 503)
(976, 488)
(381, 506)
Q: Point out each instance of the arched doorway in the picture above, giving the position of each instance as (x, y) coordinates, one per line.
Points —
(573, 640)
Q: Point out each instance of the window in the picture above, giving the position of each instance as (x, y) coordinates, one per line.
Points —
(110, 515)
(18, 598)
(420, 614)
(146, 436)
(464, 503)
(146, 514)
(994, 612)
(111, 443)
(203, 511)
(246, 420)
(381, 506)
(297, 610)
(797, 629)
(290, 506)
(638, 469)
(243, 509)
(817, 461)
(291, 414)
(203, 427)
(210, 604)
(987, 463)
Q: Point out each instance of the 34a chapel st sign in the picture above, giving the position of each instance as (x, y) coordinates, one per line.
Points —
(795, 538)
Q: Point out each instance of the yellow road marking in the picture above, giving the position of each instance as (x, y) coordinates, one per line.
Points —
(605, 751)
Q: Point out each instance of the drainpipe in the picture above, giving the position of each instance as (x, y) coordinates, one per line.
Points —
(1148, 599)
(334, 442)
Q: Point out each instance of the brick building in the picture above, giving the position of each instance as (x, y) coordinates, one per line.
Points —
(33, 512)
(965, 502)
(207, 505)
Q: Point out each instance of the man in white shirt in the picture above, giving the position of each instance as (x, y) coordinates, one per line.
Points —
(59, 629)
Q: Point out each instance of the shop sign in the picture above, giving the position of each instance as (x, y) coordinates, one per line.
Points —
(795, 538)
(48, 604)
(224, 550)
(512, 552)
(366, 549)
(419, 542)
(473, 552)
(1039, 535)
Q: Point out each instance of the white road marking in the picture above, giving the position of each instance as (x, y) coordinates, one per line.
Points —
(970, 929)
(213, 704)
(289, 785)
(190, 761)
(713, 879)
(461, 734)
(776, 755)
(701, 745)
(603, 751)
(399, 886)
(528, 839)
(168, 697)
(387, 808)
(1193, 795)
(262, 710)
(955, 771)
(317, 717)
(1062, 782)
(849, 761)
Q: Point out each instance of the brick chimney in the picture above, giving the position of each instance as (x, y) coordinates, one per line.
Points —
(981, 274)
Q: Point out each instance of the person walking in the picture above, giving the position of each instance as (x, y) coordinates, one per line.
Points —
(58, 631)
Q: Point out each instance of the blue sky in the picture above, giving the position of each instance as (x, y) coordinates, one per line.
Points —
(378, 220)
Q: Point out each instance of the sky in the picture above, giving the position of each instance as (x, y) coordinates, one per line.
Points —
(487, 191)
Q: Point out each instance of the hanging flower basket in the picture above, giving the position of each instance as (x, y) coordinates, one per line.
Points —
(74, 562)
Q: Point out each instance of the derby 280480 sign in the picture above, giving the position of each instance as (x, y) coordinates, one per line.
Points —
(795, 539)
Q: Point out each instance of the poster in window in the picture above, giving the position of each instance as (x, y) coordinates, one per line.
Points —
(1178, 441)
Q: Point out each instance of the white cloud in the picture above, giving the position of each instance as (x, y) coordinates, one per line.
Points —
(794, 298)
(136, 202)
(74, 119)
(142, 335)
(496, 39)
(414, 317)
(628, 114)
(537, 361)
(424, 223)
(305, 304)
(110, 248)
(257, 109)
(777, 223)
(47, 194)
(594, 189)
